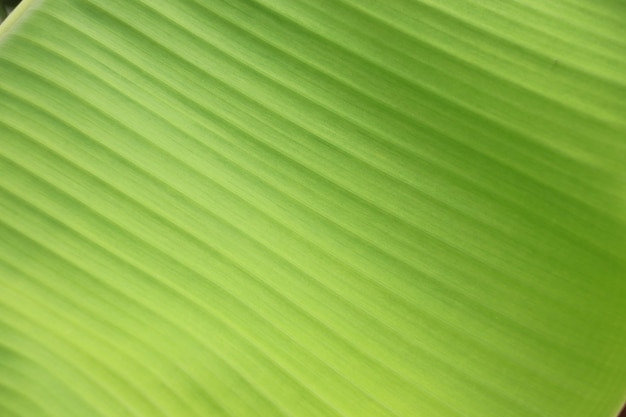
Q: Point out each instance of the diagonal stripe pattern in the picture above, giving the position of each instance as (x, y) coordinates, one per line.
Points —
(313, 208)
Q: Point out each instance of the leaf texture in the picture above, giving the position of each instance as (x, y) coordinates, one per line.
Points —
(333, 208)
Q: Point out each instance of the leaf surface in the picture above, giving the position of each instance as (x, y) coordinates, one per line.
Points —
(313, 208)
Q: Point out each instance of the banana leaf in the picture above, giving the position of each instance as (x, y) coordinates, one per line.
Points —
(313, 208)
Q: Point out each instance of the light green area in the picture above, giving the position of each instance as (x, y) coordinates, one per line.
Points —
(357, 208)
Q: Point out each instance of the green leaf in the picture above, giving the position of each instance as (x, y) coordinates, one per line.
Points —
(313, 208)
